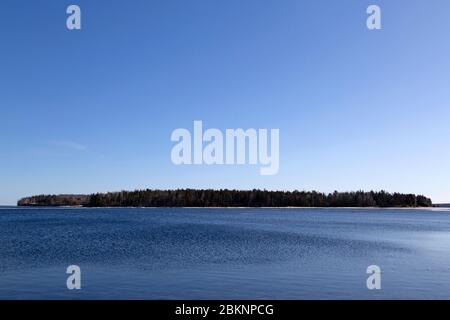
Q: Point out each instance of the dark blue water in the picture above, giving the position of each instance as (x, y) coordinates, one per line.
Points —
(224, 253)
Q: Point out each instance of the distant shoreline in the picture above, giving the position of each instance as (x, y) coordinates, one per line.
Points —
(82, 207)
(231, 208)
(169, 207)
(224, 198)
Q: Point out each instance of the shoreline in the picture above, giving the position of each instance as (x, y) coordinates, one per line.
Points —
(225, 198)
(290, 207)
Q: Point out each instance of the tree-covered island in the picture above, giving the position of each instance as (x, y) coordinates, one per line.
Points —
(230, 198)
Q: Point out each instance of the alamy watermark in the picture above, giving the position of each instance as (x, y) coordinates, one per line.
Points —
(374, 280)
(234, 147)
(73, 21)
(374, 20)
(74, 280)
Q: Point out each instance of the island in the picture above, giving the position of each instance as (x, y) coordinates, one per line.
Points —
(230, 198)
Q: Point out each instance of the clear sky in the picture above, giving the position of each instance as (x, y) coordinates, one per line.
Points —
(92, 110)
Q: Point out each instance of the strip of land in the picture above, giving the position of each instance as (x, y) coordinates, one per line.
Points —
(230, 198)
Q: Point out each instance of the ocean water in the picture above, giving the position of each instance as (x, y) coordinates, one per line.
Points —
(168, 253)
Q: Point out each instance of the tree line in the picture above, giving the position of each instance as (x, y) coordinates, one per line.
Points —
(230, 198)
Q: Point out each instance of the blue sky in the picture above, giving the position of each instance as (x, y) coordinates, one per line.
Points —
(93, 109)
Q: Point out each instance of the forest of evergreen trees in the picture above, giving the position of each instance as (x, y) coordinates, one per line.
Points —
(230, 198)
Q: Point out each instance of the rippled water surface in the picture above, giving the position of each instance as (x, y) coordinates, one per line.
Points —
(171, 253)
